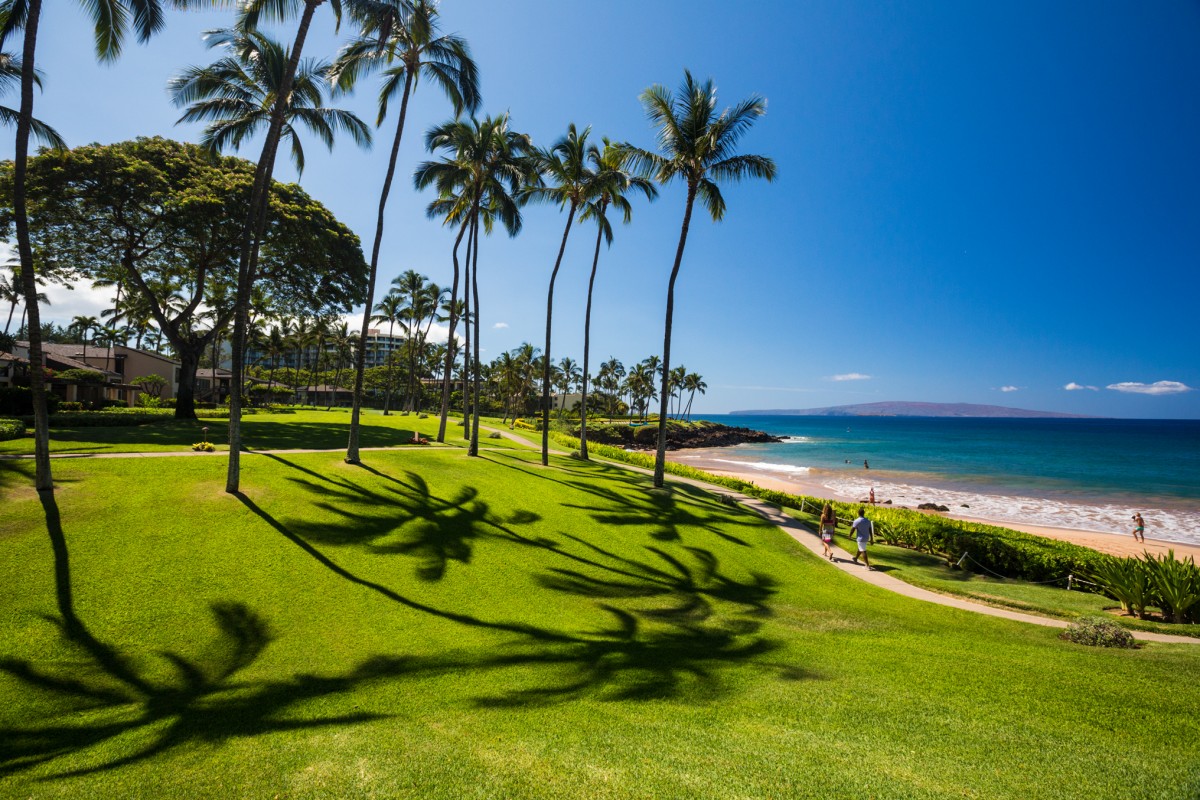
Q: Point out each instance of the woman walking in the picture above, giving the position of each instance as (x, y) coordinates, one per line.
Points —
(828, 525)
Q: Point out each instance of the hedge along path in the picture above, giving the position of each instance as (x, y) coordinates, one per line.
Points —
(793, 527)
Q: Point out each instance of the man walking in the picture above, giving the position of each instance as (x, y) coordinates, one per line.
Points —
(863, 530)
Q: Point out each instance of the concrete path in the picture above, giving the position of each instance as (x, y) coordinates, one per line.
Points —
(793, 527)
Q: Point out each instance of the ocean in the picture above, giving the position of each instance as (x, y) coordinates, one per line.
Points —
(1083, 474)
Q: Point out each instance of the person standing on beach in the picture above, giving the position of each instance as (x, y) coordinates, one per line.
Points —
(1139, 527)
(863, 530)
(872, 497)
(828, 526)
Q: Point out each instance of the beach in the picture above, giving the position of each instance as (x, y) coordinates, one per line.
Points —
(802, 481)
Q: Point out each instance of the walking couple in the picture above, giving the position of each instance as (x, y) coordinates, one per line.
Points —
(863, 533)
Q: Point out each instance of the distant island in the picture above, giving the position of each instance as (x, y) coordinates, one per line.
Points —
(906, 409)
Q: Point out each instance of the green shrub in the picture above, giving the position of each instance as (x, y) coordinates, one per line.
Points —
(1176, 586)
(11, 429)
(70, 405)
(1127, 581)
(1098, 632)
(79, 375)
(112, 417)
(17, 401)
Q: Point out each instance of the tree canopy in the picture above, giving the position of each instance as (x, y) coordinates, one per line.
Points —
(166, 217)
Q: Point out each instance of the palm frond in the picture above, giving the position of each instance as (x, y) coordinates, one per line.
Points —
(710, 194)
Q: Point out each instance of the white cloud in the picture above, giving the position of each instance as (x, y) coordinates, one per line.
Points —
(850, 376)
(1009, 389)
(1158, 387)
(500, 325)
(1077, 387)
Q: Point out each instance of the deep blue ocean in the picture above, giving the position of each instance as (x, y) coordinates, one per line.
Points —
(1076, 473)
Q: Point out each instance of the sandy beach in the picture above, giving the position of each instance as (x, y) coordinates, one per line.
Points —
(1119, 544)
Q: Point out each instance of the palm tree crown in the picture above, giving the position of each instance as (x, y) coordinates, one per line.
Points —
(236, 95)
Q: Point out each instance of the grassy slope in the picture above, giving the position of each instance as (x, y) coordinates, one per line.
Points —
(433, 626)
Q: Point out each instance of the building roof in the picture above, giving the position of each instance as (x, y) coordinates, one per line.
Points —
(323, 389)
(207, 372)
(67, 356)
(11, 357)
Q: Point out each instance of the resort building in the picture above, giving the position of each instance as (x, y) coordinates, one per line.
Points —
(379, 346)
(116, 368)
(212, 384)
(11, 368)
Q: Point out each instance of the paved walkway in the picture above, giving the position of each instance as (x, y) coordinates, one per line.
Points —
(790, 525)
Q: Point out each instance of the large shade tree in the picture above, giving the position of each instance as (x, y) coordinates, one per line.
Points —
(698, 146)
(111, 20)
(401, 39)
(164, 217)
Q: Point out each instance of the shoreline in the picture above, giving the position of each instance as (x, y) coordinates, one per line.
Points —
(1117, 544)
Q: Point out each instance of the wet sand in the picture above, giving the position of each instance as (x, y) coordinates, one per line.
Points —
(1118, 544)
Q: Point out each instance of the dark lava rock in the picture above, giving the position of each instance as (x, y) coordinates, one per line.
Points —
(679, 436)
(932, 507)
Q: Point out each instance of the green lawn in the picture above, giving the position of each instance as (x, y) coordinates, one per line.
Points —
(432, 626)
(309, 430)
(1051, 600)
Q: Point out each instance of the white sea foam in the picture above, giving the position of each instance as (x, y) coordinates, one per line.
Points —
(1172, 525)
(797, 440)
(765, 466)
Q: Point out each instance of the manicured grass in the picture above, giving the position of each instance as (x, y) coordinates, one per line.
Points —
(433, 626)
(309, 430)
(1051, 600)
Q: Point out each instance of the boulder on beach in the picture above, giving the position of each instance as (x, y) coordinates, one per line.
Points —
(932, 507)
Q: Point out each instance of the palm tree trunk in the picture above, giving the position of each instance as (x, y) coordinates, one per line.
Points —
(256, 220)
(387, 390)
(360, 359)
(587, 344)
(473, 449)
(447, 377)
(466, 391)
(11, 310)
(660, 457)
(546, 354)
(43, 480)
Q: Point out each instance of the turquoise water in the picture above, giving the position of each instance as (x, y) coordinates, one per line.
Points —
(1089, 474)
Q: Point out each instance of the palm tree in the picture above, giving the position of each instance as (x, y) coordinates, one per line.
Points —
(110, 20)
(484, 164)
(10, 292)
(675, 383)
(568, 376)
(236, 94)
(279, 102)
(614, 181)
(572, 184)
(10, 76)
(389, 309)
(84, 325)
(692, 382)
(401, 38)
(342, 344)
(698, 147)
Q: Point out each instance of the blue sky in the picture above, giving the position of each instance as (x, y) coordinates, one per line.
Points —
(971, 197)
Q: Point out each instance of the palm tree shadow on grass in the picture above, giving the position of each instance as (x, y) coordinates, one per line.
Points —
(668, 509)
(202, 701)
(403, 518)
(681, 624)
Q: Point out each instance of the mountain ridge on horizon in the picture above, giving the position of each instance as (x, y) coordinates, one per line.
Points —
(900, 408)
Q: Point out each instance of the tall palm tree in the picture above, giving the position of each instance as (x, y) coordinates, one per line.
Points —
(10, 292)
(571, 184)
(110, 20)
(483, 166)
(389, 309)
(342, 344)
(400, 37)
(280, 101)
(697, 147)
(675, 383)
(614, 182)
